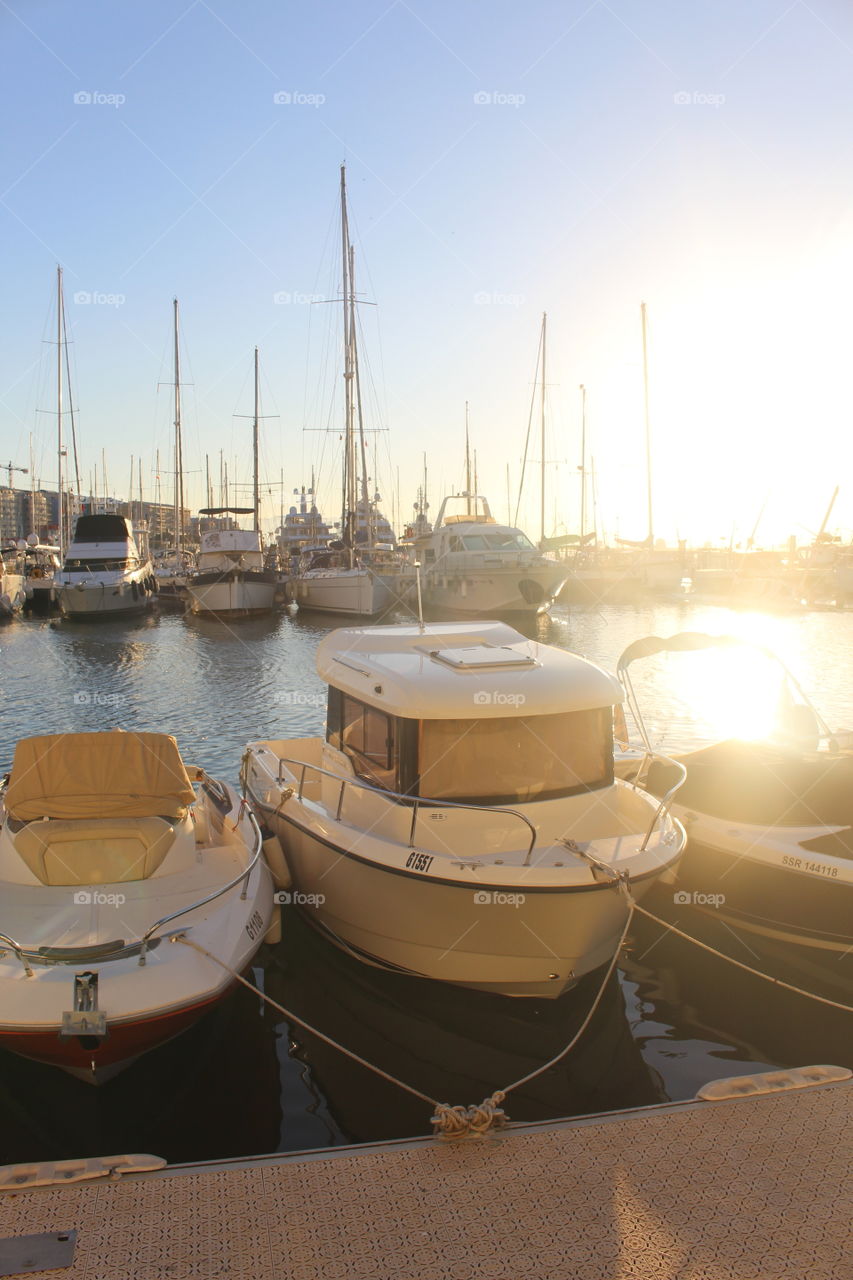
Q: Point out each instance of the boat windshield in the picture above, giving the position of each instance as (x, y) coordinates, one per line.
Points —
(513, 759)
(95, 565)
(505, 540)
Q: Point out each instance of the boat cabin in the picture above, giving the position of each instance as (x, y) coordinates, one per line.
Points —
(475, 714)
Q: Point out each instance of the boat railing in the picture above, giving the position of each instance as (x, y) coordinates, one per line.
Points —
(395, 797)
(244, 875)
(665, 803)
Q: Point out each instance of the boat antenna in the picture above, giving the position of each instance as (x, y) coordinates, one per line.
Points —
(651, 535)
(421, 625)
(542, 430)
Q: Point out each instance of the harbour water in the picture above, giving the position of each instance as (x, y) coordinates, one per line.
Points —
(244, 1081)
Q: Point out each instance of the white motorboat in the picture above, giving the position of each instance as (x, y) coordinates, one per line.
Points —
(231, 579)
(110, 850)
(104, 572)
(460, 820)
(770, 823)
(475, 567)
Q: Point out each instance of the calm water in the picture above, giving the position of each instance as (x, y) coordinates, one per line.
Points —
(244, 1081)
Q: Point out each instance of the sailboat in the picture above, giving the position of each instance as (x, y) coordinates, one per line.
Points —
(340, 579)
(232, 580)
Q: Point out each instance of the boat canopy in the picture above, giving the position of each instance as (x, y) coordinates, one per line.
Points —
(463, 670)
(98, 775)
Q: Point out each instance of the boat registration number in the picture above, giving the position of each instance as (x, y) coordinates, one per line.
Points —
(255, 926)
(800, 864)
(419, 861)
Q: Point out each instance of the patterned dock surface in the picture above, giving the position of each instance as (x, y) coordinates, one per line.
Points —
(752, 1189)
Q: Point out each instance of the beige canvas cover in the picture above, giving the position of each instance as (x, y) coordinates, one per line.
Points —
(98, 775)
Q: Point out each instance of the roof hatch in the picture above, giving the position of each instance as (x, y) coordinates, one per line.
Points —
(477, 656)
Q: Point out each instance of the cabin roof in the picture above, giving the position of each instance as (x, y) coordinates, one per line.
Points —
(462, 670)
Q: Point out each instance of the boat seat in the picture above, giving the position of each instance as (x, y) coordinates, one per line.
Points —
(94, 851)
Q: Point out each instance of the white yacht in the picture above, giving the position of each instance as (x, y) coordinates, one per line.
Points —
(231, 579)
(461, 820)
(333, 580)
(475, 567)
(104, 571)
(111, 850)
(300, 529)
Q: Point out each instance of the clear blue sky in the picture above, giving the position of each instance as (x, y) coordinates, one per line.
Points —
(696, 158)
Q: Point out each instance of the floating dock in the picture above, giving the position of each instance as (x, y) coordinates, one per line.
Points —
(726, 1187)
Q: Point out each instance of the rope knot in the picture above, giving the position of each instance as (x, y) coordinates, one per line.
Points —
(464, 1122)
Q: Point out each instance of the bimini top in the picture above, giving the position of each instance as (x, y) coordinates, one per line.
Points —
(98, 775)
(460, 671)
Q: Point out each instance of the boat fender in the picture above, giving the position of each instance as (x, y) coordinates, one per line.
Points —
(202, 824)
(134, 590)
(273, 933)
(277, 862)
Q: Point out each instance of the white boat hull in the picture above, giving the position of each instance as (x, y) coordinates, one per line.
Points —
(354, 591)
(96, 599)
(237, 596)
(12, 594)
(492, 593)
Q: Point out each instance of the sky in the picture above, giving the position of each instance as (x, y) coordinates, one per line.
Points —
(503, 161)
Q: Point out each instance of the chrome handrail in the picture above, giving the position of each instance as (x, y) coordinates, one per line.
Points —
(666, 799)
(19, 952)
(211, 897)
(415, 801)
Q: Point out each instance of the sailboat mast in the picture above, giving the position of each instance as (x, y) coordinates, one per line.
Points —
(365, 492)
(542, 468)
(59, 309)
(651, 536)
(583, 462)
(348, 513)
(467, 463)
(255, 494)
(179, 461)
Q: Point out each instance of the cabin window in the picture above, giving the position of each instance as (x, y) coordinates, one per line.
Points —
(429, 555)
(367, 736)
(516, 759)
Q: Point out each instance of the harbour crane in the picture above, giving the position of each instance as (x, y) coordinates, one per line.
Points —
(10, 467)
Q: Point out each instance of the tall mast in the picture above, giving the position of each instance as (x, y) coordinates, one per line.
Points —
(59, 310)
(542, 467)
(255, 495)
(365, 493)
(648, 428)
(179, 459)
(583, 461)
(467, 463)
(348, 514)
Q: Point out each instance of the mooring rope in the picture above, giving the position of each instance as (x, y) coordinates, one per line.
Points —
(447, 1121)
(756, 973)
(476, 1121)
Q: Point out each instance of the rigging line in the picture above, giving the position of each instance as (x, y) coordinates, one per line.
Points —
(529, 427)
